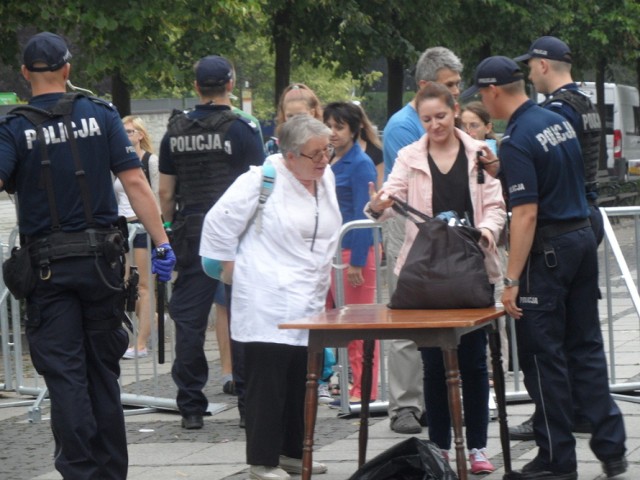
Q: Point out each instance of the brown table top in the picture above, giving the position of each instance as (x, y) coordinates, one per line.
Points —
(380, 317)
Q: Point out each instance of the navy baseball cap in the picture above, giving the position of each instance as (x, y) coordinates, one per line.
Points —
(548, 47)
(213, 71)
(47, 48)
(494, 71)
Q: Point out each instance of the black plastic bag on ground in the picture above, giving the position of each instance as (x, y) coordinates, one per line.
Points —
(444, 267)
(412, 459)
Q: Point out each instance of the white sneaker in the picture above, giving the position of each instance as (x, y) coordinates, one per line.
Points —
(324, 396)
(260, 472)
(131, 353)
(294, 465)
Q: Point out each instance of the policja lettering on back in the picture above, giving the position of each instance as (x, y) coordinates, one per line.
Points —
(198, 143)
(555, 135)
(57, 133)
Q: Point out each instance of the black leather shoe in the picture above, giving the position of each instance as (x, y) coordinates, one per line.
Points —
(524, 431)
(614, 466)
(192, 422)
(536, 470)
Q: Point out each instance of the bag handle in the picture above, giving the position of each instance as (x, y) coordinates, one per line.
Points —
(407, 210)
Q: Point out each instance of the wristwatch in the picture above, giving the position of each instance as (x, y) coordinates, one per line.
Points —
(511, 283)
(374, 215)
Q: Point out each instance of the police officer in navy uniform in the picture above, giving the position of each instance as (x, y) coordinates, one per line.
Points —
(201, 154)
(551, 283)
(549, 60)
(76, 309)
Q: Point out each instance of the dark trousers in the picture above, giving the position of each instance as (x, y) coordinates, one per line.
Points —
(190, 305)
(561, 352)
(76, 342)
(275, 378)
(472, 359)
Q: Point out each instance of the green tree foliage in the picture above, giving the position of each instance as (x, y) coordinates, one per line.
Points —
(143, 46)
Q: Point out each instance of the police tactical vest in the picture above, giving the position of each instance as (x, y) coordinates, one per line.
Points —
(201, 156)
(590, 137)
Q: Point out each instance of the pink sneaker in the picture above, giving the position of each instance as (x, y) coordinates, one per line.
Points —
(479, 461)
(445, 455)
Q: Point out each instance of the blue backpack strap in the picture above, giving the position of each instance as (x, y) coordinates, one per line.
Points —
(268, 180)
(213, 267)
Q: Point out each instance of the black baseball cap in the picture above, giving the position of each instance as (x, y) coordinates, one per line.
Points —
(496, 70)
(47, 48)
(213, 71)
(548, 47)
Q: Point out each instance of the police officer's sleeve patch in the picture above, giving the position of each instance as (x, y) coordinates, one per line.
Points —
(248, 122)
(103, 102)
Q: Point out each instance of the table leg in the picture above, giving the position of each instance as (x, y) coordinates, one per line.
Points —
(314, 364)
(367, 369)
(452, 373)
(499, 388)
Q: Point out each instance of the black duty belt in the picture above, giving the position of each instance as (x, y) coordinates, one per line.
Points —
(58, 245)
(554, 230)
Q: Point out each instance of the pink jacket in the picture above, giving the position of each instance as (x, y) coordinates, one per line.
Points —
(410, 180)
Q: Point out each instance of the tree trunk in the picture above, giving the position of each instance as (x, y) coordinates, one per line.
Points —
(120, 94)
(395, 86)
(601, 65)
(282, 44)
(638, 72)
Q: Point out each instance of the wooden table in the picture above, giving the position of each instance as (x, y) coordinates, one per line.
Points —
(428, 328)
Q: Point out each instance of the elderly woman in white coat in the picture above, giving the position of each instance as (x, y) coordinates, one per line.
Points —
(280, 272)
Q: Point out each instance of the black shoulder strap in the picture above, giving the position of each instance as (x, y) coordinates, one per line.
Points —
(63, 108)
(407, 210)
(145, 165)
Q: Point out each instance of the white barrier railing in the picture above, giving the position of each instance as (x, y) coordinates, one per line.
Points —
(22, 378)
(28, 383)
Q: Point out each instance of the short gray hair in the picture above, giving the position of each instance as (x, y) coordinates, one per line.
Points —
(298, 130)
(433, 60)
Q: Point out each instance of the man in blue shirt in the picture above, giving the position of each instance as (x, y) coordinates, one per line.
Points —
(202, 153)
(551, 283)
(406, 397)
(60, 166)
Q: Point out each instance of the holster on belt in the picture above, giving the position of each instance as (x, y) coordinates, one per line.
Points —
(108, 243)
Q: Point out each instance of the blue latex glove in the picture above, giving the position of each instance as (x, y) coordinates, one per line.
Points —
(162, 261)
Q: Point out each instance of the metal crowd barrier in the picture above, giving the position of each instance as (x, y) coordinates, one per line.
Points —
(139, 376)
(614, 304)
(342, 367)
(22, 379)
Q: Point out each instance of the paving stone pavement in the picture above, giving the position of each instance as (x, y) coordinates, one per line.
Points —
(159, 449)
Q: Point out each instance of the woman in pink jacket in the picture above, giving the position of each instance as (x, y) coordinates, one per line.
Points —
(436, 174)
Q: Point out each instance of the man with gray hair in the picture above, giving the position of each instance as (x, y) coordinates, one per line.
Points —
(406, 398)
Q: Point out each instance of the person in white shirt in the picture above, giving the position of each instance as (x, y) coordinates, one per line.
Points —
(141, 141)
(280, 272)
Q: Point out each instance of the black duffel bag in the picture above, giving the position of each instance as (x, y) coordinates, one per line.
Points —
(444, 267)
(412, 459)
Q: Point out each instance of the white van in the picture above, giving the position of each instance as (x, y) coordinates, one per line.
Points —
(622, 125)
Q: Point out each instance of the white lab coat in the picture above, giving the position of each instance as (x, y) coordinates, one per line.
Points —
(276, 277)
